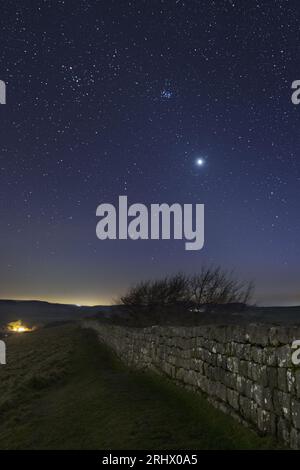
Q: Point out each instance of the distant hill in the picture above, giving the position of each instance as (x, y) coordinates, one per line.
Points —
(39, 312)
(218, 314)
(275, 315)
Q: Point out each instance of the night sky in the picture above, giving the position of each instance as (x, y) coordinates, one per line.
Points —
(109, 98)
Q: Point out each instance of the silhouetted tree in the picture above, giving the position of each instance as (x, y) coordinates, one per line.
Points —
(162, 293)
(212, 286)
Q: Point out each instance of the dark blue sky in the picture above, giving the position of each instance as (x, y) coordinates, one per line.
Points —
(109, 98)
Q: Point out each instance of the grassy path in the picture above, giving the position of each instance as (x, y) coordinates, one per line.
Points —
(85, 399)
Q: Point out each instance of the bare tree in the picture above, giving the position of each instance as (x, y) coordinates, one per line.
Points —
(158, 294)
(212, 286)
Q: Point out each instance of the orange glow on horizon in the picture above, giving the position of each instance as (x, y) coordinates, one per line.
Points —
(64, 301)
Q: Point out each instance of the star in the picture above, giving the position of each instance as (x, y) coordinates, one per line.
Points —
(200, 161)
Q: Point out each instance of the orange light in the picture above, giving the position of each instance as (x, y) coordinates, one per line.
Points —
(18, 327)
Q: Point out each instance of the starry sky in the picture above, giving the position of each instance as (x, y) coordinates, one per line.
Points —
(109, 98)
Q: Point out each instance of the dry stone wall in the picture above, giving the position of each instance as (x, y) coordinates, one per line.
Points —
(245, 371)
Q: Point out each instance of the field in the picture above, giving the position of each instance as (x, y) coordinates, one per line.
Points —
(61, 389)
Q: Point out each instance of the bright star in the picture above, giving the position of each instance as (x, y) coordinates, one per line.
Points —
(200, 161)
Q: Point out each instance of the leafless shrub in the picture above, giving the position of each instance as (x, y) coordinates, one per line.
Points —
(212, 286)
(160, 293)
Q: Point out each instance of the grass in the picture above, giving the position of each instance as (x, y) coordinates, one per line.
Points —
(61, 389)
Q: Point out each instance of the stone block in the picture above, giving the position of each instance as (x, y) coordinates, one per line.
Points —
(257, 334)
(202, 383)
(244, 368)
(219, 348)
(261, 395)
(266, 421)
(221, 361)
(199, 342)
(220, 391)
(228, 348)
(295, 439)
(297, 382)
(248, 409)
(272, 377)
(273, 336)
(259, 374)
(295, 413)
(291, 381)
(240, 384)
(249, 388)
(247, 352)
(189, 377)
(270, 357)
(233, 398)
(179, 374)
(233, 364)
(282, 379)
(241, 350)
(283, 335)
(229, 379)
(257, 354)
(282, 403)
(283, 430)
(257, 394)
(197, 365)
(284, 355)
